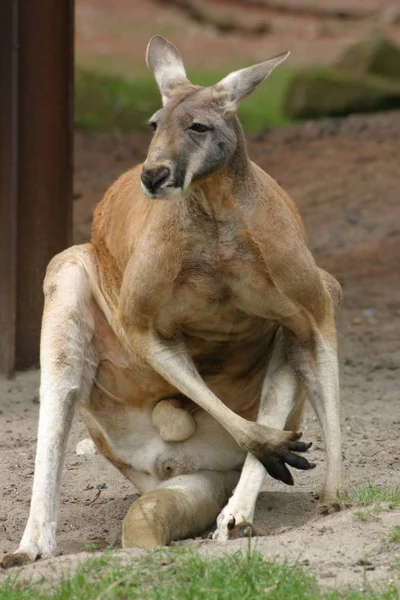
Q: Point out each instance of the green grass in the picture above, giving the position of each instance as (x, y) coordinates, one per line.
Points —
(393, 537)
(105, 101)
(368, 494)
(181, 574)
(368, 514)
(371, 501)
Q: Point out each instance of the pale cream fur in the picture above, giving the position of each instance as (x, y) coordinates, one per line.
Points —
(173, 423)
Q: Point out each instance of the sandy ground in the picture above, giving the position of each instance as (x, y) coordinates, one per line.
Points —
(341, 552)
(344, 176)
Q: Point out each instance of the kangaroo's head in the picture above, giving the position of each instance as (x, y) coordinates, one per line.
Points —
(196, 131)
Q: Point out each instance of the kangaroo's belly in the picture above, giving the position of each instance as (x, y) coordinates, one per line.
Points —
(118, 413)
(231, 352)
(127, 438)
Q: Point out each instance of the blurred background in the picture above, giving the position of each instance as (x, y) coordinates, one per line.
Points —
(113, 86)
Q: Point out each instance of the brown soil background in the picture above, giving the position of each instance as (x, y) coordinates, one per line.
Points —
(344, 176)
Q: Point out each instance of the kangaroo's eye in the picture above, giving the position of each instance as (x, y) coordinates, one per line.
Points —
(199, 128)
(153, 126)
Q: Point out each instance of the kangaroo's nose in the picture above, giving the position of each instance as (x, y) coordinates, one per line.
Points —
(152, 179)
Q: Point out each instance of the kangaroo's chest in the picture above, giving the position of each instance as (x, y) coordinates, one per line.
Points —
(221, 282)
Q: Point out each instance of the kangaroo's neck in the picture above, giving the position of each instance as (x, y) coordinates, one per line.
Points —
(234, 179)
(239, 167)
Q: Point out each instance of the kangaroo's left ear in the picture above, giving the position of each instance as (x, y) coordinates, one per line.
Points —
(166, 64)
(239, 84)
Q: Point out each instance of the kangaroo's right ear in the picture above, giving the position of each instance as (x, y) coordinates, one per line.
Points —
(239, 84)
(166, 64)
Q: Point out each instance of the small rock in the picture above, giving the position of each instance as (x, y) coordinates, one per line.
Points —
(357, 321)
(363, 562)
(269, 150)
(86, 446)
(353, 218)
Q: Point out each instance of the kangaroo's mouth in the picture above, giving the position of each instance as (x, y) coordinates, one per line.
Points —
(168, 191)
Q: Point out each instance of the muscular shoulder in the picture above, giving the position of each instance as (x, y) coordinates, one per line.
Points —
(275, 198)
(277, 232)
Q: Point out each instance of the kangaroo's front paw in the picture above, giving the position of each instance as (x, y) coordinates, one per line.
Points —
(276, 454)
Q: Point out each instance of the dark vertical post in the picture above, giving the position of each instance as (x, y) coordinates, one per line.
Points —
(36, 126)
(45, 95)
(8, 182)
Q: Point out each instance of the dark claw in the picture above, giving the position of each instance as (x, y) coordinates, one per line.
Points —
(299, 446)
(242, 530)
(276, 463)
(278, 470)
(296, 435)
(296, 461)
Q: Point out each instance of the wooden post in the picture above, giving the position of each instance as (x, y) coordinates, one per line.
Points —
(37, 210)
(8, 182)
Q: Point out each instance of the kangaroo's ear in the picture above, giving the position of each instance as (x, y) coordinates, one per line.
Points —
(166, 64)
(239, 84)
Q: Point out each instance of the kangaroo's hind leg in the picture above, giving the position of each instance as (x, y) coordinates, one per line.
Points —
(67, 370)
(179, 508)
(282, 397)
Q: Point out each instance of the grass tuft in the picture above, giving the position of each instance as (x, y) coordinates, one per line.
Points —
(181, 574)
(369, 514)
(393, 537)
(371, 500)
(368, 494)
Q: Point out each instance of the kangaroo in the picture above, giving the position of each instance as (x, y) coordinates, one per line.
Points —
(190, 330)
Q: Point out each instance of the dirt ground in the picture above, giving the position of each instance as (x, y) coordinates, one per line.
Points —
(344, 176)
